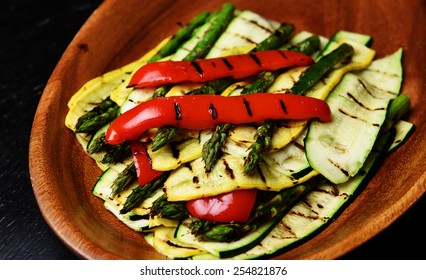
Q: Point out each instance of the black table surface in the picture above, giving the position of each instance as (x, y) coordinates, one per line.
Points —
(35, 34)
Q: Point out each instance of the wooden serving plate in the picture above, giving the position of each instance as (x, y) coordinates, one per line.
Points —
(119, 32)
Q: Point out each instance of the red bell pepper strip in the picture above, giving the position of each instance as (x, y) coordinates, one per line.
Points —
(234, 206)
(203, 70)
(144, 171)
(206, 111)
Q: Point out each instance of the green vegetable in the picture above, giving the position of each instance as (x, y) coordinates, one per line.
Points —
(322, 67)
(102, 114)
(169, 210)
(141, 193)
(219, 23)
(124, 179)
(183, 34)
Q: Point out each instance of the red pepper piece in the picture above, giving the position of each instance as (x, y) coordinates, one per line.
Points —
(206, 111)
(144, 171)
(203, 70)
(234, 206)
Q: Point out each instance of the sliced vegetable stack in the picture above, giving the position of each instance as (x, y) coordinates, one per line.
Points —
(237, 137)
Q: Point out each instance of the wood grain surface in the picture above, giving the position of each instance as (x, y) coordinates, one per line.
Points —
(63, 175)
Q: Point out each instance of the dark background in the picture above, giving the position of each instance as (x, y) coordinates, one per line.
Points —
(34, 36)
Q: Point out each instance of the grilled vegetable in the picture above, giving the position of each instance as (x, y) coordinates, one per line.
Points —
(142, 192)
(359, 111)
(143, 168)
(204, 70)
(93, 120)
(211, 110)
(124, 180)
(234, 206)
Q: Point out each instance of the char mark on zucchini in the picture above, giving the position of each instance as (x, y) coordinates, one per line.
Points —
(357, 117)
(344, 171)
(362, 104)
(229, 170)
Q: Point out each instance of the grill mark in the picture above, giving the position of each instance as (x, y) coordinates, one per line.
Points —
(282, 54)
(265, 28)
(189, 166)
(361, 104)
(228, 65)
(309, 217)
(255, 58)
(357, 118)
(250, 41)
(247, 106)
(177, 111)
(311, 209)
(197, 67)
(260, 26)
(282, 104)
(307, 204)
(382, 72)
(299, 146)
(385, 73)
(344, 171)
(262, 177)
(287, 228)
(334, 192)
(178, 246)
(195, 180)
(213, 111)
(247, 39)
(229, 170)
(365, 88)
(175, 151)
